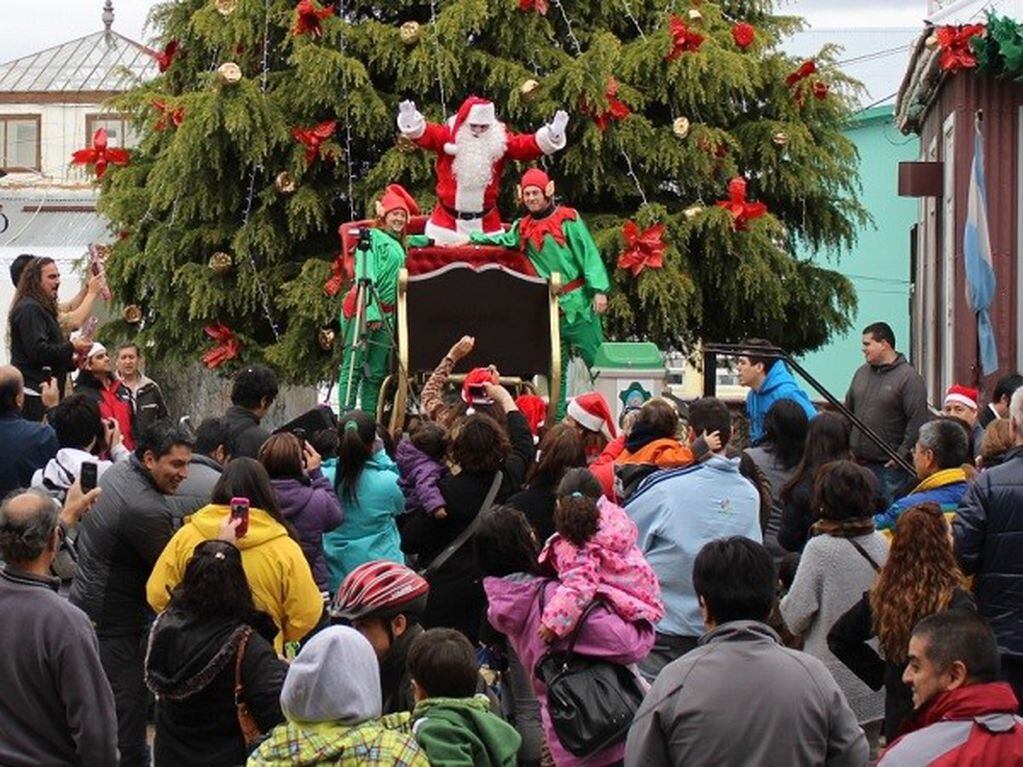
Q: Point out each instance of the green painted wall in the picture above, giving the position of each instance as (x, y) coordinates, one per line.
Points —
(878, 264)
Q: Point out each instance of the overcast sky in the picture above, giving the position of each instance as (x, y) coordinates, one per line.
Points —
(24, 33)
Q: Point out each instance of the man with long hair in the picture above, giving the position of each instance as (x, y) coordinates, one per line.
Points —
(36, 338)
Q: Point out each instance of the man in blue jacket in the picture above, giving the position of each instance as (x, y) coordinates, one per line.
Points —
(30, 444)
(769, 380)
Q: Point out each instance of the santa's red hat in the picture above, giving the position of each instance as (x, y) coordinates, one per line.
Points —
(964, 395)
(474, 378)
(534, 410)
(475, 111)
(590, 411)
(396, 197)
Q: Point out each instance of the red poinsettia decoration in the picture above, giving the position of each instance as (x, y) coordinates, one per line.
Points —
(642, 249)
(338, 275)
(742, 211)
(616, 109)
(168, 115)
(166, 57)
(309, 19)
(101, 154)
(954, 42)
(540, 6)
(744, 34)
(313, 138)
(683, 38)
(227, 347)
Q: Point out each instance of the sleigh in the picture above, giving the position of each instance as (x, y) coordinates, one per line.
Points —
(491, 293)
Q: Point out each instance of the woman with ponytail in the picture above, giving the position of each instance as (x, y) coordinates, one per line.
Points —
(367, 484)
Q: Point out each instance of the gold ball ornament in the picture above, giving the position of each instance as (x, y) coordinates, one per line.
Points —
(229, 73)
(529, 88)
(326, 339)
(781, 138)
(221, 263)
(405, 144)
(931, 42)
(680, 127)
(226, 7)
(693, 211)
(695, 16)
(132, 314)
(410, 32)
(285, 183)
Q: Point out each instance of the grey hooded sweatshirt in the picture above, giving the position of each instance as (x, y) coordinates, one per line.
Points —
(892, 400)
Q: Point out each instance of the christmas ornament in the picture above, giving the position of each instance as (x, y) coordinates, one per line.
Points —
(642, 250)
(405, 144)
(954, 42)
(806, 69)
(683, 39)
(693, 211)
(227, 347)
(742, 211)
(166, 57)
(229, 73)
(540, 6)
(744, 34)
(529, 88)
(226, 7)
(410, 32)
(309, 19)
(931, 42)
(680, 127)
(284, 182)
(132, 314)
(326, 339)
(781, 138)
(313, 138)
(695, 16)
(337, 277)
(616, 109)
(168, 115)
(820, 90)
(100, 154)
(221, 263)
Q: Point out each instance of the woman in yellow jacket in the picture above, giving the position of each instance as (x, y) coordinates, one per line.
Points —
(277, 570)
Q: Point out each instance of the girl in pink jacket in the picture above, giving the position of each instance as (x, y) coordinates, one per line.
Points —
(595, 556)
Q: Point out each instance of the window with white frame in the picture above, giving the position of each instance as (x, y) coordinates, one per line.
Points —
(119, 130)
(19, 143)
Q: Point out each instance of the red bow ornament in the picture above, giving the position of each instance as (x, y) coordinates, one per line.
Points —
(313, 138)
(820, 90)
(337, 277)
(683, 39)
(955, 46)
(100, 154)
(166, 57)
(642, 250)
(744, 34)
(742, 211)
(309, 19)
(616, 109)
(168, 115)
(806, 69)
(227, 347)
(540, 6)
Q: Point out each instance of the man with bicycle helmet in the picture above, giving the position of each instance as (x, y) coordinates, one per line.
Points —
(383, 601)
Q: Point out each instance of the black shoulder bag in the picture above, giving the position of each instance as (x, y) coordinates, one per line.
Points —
(466, 534)
(590, 700)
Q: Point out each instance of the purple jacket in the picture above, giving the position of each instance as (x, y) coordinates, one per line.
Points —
(514, 610)
(419, 476)
(313, 509)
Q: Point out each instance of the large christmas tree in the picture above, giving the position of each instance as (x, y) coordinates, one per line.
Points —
(273, 121)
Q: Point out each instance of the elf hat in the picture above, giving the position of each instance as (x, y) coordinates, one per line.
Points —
(395, 197)
(475, 111)
(964, 395)
(474, 378)
(590, 411)
(536, 177)
(534, 410)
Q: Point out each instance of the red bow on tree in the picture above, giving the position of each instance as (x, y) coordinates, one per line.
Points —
(100, 154)
(955, 46)
(683, 39)
(820, 90)
(227, 347)
(313, 138)
(166, 57)
(742, 211)
(337, 277)
(540, 6)
(642, 250)
(744, 34)
(806, 69)
(616, 109)
(308, 20)
(173, 116)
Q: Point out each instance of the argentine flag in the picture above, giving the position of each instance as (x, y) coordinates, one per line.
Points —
(980, 273)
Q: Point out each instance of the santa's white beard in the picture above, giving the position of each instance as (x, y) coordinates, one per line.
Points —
(473, 165)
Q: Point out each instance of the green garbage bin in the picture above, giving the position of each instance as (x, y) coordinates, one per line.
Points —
(627, 373)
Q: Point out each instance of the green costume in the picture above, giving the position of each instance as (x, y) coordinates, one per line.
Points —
(557, 240)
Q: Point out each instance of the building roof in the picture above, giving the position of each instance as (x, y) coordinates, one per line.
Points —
(50, 218)
(967, 11)
(103, 62)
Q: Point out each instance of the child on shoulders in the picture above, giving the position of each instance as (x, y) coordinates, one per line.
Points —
(420, 460)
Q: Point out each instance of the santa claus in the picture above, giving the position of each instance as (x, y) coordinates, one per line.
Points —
(471, 151)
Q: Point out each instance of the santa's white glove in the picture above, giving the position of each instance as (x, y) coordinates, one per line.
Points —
(410, 120)
(558, 125)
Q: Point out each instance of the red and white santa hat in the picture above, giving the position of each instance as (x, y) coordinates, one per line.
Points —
(473, 379)
(474, 111)
(964, 395)
(395, 197)
(590, 411)
(534, 410)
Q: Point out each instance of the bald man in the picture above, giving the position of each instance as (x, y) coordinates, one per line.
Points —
(29, 444)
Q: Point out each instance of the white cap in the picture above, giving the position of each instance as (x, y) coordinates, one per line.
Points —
(95, 349)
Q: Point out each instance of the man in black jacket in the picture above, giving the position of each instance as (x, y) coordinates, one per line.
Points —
(988, 530)
(118, 544)
(998, 407)
(253, 393)
(147, 403)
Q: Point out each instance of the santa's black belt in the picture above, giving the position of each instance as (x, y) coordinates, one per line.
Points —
(461, 215)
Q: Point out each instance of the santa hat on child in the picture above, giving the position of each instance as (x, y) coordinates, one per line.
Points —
(395, 197)
(474, 111)
(964, 395)
(476, 377)
(590, 411)
(534, 410)
(536, 177)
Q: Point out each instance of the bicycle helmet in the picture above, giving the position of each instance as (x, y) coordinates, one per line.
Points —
(380, 589)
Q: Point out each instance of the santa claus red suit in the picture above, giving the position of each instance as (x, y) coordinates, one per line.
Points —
(471, 148)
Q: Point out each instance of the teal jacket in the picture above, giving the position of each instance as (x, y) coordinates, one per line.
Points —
(779, 384)
(462, 732)
(369, 531)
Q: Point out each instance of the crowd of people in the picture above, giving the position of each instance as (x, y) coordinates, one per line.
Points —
(469, 591)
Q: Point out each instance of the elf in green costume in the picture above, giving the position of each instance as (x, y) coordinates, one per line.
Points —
(367, 343)
(555, 239)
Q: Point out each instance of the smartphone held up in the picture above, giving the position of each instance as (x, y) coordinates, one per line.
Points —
(240, 511)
